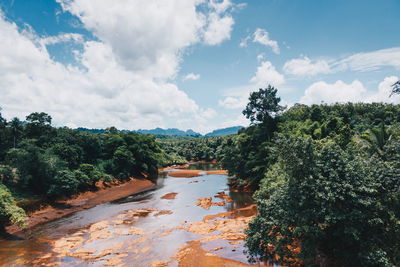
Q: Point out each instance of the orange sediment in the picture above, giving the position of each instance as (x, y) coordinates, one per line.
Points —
(169, 196)
(194, 173)
(84, 201)
(185, 173)
(222, 172)
(193, 255)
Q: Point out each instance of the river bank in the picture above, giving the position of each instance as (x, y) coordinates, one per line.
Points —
(184, 221)
(83, 201)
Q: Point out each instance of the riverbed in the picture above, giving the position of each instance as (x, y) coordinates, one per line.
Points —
(184, 221)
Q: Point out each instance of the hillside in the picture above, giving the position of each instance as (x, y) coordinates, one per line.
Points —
(225, 131)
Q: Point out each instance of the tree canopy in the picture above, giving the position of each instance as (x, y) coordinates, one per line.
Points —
(328, 179)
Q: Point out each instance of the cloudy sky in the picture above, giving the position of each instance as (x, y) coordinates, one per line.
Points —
(190, 63)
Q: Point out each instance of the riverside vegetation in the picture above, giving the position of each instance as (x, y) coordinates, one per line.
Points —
(39, 160)
(328, 176)
(328, 179)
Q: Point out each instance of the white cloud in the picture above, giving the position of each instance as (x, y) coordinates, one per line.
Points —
(191, 76)
(267, 74)
(366, 61)
(330, 93)
(127, 71)
(370, 60)
(61, 38)
(244, 41)
(384, 92)
(240, 120)
(231, 102)
(220, 7)
(261, 36)
(219, 29)
(260, 57)
(145, 36)
(306, 67)
(348, 92)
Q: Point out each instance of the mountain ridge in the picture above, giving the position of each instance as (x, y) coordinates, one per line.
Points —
(176, 131)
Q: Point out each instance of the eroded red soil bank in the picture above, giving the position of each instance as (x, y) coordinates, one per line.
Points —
(85, 200)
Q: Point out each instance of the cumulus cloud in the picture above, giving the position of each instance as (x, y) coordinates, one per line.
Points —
(231, 102)
(220, 7)
(219, 29)
(267, 74)
(124, 76)
(384, 92)
(191, 76)
(348, 92)
(145, 36)
(306, 67)
(261, 36)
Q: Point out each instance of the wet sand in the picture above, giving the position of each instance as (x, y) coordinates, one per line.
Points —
(84, 201)
(185, 173)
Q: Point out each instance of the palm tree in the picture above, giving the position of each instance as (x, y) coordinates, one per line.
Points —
(16, 128)
(376, 139)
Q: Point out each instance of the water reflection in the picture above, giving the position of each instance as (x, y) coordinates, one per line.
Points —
(164, 236)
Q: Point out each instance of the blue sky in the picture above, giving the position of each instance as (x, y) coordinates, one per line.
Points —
(190, 63)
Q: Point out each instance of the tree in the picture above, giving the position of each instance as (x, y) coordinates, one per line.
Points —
(38, 127)
(325, 206)
(9, 211)
(263, 105)
(16, 129)
(376, 139)
(64, 183)
(37, 118)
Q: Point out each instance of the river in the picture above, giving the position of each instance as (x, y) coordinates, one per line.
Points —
(166, 226)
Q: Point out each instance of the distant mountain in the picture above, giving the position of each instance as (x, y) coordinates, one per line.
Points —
(174, 131)
(225, 131)
(170, 131)
(91, 130)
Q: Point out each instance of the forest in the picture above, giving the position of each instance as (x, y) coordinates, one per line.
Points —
(327, 177)
(37, 159)
(328, 180)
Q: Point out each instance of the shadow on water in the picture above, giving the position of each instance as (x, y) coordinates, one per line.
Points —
(205, 166)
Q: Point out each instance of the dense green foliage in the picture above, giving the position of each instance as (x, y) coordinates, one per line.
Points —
(38, 159)
(9, 211)
(329, 181)
(186, 148)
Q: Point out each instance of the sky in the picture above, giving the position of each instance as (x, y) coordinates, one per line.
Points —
(190, 64)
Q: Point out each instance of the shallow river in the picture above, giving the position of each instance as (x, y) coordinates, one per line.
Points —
(146, 229)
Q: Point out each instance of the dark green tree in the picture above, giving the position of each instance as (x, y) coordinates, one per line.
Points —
(16, 129)
(9, 211)
(263, 106)
(328, 202)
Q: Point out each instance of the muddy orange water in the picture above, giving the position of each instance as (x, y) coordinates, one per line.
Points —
(202, 225)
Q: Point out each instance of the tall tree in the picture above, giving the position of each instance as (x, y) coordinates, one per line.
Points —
(263, 105)
(16, 129)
